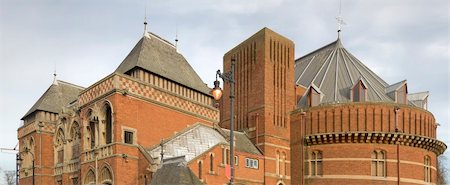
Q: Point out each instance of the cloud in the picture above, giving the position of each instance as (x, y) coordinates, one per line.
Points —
(88, 40)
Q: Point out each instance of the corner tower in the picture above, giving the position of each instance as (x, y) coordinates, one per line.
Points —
(265, 96)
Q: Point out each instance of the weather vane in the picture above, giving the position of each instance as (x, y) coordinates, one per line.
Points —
(340, 20)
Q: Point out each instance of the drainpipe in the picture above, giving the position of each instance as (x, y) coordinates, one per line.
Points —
(257, 133)
(396, 110)
(40, 125)
(302, 161)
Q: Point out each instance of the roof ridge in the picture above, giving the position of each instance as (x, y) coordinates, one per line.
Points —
(161, 39)
(320, 49)
(71, 84)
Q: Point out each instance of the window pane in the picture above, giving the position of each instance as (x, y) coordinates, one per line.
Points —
(313, 169)
(356, 94)
(319, 168)
(374, 168)
(362, 94)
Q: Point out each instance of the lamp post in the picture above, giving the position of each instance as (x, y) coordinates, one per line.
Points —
(217, 94)
(19, 162)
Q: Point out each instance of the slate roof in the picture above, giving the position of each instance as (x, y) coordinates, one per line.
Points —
(417, 99)
(59, 94)
(334, 71)
(160, 57)
(197, 139)
(190, 143)
(243, 144)
(174, 171)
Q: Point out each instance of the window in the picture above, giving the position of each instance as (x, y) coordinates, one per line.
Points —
(251, 163)
(128, 137)
(427, 169)
(211, 162)
(315, 163)
(75, 181)
(401, 95)
(225, 154)
(359, 92)
(378, 163)
(200, 170)
(92, 133)
(60, 156)
(236, 160)
(108, 125)
(278, 163)
(314, 97)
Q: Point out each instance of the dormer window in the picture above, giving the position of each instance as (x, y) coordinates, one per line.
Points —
(358, 92)
(398, 92)
(314, 96)
(419, 99)
(401, 95)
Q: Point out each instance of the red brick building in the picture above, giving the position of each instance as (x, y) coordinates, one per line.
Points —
(324, 118)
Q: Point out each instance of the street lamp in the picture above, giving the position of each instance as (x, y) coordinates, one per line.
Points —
(217, 94)
(19, 162)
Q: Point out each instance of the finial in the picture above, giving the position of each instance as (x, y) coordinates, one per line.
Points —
(176, 38)
(145, 22)
(145, 29)
(340, 20)
(55, 81)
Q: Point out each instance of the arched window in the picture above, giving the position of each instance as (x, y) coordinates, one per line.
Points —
(108, 126)
(89, 179)
(378, 163)
(60, 139)
(315, 163)
(91, 129)
(427, 169)
(211, 163)
(200, 170)
(284, 165)
(278, 163)
(75, 136)
(106, 176)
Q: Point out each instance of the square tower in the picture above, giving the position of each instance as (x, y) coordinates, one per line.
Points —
(265, 95)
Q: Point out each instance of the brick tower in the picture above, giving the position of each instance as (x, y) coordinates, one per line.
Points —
(264, 91)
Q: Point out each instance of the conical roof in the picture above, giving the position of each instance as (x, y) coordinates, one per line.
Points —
(335, 71)
(57, 95)
(160, 57)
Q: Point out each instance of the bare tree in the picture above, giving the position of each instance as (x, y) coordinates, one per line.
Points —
(442, 171)
(10, 177)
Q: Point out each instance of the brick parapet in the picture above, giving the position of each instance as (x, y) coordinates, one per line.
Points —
(368, 117)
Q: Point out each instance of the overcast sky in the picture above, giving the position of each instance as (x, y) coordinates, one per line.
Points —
(87, 40)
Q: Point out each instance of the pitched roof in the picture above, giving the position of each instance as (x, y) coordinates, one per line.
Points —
(190, 143)
(334, 71)
(160, 57)
(243, 144)
(199, 138)
(57, 95)
(175, 171)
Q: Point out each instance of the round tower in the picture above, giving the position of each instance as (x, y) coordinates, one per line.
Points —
(351, 127)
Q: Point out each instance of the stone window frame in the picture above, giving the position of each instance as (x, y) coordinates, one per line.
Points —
(315, 167)
(378, 163)
(427, 168)
(211, 163)
(133, 131)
